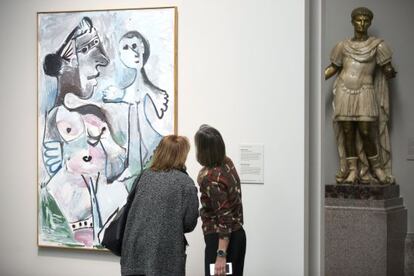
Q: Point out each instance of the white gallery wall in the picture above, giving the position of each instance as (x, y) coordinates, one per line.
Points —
(241, 68)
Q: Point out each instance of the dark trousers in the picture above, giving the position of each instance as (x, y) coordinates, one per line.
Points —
(235, 251)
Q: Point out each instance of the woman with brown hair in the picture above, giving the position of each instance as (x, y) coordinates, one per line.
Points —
(165, 207)
(221, 201)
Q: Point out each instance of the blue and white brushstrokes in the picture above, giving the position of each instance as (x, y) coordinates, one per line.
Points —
(106, 98)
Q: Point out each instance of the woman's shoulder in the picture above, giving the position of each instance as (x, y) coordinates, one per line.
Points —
(172, 176)
(211, 174)
(208, 174)
(154, 175)
(228, 164)
(181, 176)
(214, 172)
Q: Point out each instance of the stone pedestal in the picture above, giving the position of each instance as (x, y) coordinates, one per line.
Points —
(365, 230)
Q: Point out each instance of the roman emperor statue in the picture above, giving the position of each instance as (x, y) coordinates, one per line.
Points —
(361, 104)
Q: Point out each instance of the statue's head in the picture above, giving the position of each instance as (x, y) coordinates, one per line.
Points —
(361, 19)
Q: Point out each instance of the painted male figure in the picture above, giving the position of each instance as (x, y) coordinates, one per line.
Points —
(361, 106)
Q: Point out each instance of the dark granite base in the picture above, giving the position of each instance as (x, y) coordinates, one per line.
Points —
(362, 191)
(365, 230)
(409, 255)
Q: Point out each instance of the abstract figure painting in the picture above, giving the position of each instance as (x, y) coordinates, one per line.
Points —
(106, 97)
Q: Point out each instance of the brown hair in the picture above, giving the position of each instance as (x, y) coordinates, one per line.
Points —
(362, 11)
(171, 153)
(211, 150)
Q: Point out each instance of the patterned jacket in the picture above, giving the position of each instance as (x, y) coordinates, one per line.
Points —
(221, 199)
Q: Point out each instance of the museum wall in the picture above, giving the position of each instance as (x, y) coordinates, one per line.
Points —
(241, 68)
(393, 21)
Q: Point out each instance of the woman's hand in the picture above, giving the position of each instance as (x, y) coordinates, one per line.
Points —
(220, 266)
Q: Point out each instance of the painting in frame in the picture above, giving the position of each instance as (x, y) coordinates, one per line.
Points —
(106, 97)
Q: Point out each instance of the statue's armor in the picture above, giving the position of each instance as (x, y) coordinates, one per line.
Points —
(355, 75)
(355, 97)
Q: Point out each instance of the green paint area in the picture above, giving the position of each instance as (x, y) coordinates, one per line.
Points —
(53, 225)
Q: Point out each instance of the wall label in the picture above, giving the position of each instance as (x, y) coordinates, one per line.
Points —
(251, 164)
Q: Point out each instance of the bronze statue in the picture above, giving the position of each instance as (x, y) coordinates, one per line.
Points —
(361, 105)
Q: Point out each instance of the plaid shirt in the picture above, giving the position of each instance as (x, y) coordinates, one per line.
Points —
(221, 200)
